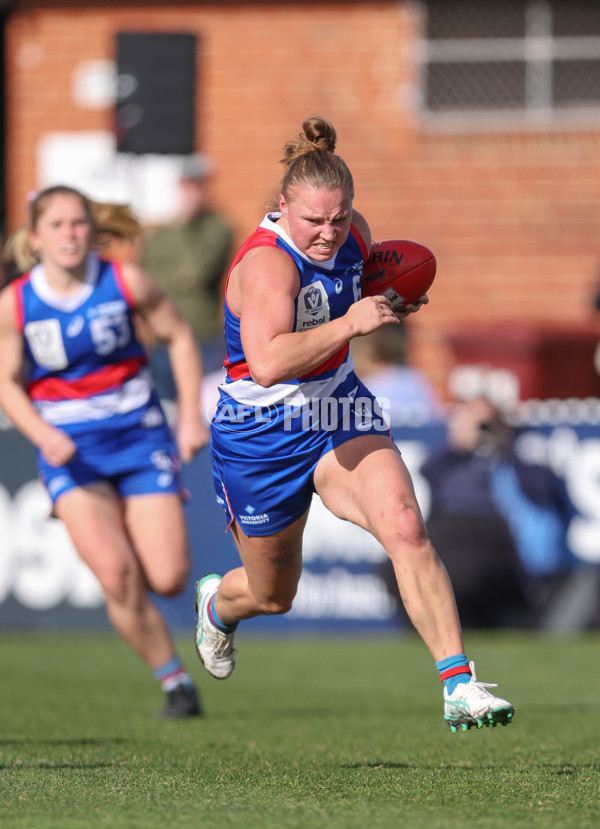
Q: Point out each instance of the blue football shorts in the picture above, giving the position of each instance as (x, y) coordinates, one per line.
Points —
(135, 461)
(264, 461)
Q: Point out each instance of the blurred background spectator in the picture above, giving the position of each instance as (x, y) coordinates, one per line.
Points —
(498, 523)
(189, 259)
(381, 362)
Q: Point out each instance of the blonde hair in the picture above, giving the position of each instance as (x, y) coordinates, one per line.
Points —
(113, 220)
(17, 248)
(311, 159)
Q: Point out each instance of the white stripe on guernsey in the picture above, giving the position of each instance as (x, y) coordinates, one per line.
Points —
(70, 302)
(250, 393)
(269, 223)
(132, 394)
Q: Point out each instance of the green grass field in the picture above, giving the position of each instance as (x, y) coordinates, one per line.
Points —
(320, 732)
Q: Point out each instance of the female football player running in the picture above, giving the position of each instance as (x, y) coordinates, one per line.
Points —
(105, 452)
(293, 419)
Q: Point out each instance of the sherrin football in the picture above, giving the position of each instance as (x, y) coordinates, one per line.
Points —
(400, 270)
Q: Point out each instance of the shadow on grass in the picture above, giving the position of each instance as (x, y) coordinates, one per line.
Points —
(44, 765)
(567, 769)
(376, 765)
(78, 741)
(327, 709)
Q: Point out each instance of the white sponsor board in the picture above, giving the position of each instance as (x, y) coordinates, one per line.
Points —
(342, 581)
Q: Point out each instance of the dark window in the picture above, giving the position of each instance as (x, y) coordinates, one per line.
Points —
(578, 19)
(464, 19)
(576, 83)
(482, 86)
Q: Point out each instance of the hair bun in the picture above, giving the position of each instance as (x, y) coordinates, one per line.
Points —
(318, 135)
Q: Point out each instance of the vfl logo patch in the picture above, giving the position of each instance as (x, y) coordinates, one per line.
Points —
(312, 306)
(313, 300)
(46, 343)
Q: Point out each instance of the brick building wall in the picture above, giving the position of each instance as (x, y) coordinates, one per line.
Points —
(512, 217)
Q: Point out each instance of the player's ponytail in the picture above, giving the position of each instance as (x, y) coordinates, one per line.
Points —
(17, 250)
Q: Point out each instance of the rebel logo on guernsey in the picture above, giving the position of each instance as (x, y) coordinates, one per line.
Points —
(313, 306)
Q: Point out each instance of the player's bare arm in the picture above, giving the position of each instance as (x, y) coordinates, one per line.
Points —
(267, 284)
(55, 444)
(167, 325)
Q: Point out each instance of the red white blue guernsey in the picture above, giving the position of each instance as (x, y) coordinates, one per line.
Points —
(327, 290)
(266, 442)
(88, 375)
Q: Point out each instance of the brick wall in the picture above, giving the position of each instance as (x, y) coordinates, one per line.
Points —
(512, 218)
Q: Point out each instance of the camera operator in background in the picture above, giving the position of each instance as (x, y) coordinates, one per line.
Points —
(499, 522)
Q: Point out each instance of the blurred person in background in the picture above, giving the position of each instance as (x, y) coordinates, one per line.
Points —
(380, 360)
(498, 521)
(189, 259)
(105, 453)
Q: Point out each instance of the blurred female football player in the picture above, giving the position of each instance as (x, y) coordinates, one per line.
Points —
(105, 452)
(294, 419)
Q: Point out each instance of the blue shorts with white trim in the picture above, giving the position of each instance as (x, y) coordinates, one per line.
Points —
(135, 461)
(264, 458)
